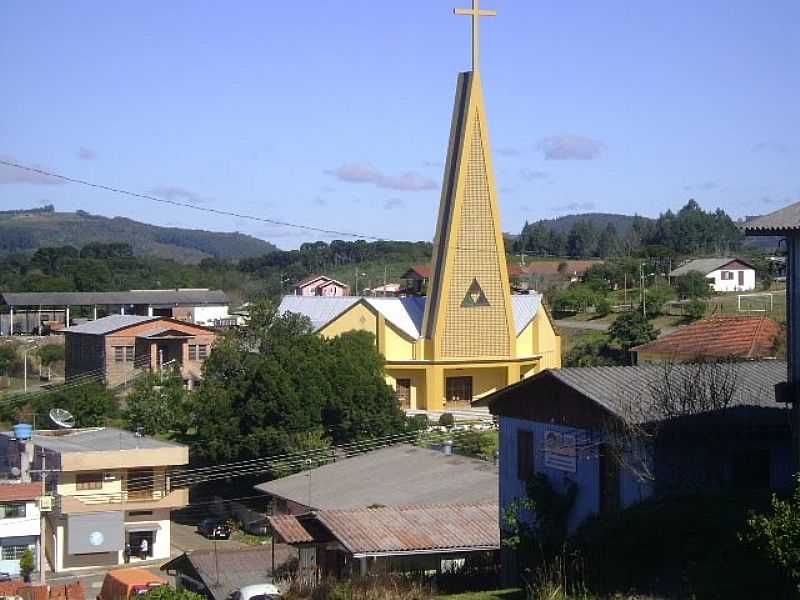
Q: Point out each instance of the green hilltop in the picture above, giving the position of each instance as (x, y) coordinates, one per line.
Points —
(28, 230)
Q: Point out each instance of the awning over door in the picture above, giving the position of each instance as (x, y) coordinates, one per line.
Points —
(142, 527)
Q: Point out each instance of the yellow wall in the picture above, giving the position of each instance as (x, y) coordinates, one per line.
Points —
(356, 318)
(545, 341)
(417, 377)
(396, 345)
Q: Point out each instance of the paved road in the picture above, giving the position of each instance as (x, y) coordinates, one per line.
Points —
(184, 538)
(591, 325)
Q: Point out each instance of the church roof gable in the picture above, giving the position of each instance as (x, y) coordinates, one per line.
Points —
(404, 313)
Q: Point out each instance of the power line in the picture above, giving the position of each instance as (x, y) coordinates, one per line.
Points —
(207, 209)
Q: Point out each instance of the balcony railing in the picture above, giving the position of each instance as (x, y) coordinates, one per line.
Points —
(138, 500)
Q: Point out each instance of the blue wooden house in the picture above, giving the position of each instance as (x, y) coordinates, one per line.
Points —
(567, 424)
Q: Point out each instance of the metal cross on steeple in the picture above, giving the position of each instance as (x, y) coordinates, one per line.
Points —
(476, 13)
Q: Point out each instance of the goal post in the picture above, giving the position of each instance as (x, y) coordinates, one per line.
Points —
(762, 297)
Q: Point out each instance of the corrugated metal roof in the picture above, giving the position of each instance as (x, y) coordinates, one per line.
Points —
(525, 308)
(404, 313)
(615, 388)
(744, 336)
(704, 265)
(414, 528)
(394, 476)
(94, 439)
(19, 491)
(782, 220)
(290, 530)
(319, 309)
(108, 324)
(189, 297)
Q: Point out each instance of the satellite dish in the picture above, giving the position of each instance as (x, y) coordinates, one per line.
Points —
(62, 418)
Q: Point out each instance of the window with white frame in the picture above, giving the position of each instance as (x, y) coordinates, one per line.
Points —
(13, 551)
(726, 275)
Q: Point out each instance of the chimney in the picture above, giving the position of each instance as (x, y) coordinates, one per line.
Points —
(447, 447)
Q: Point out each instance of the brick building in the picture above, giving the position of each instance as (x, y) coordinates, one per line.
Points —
(119, 347)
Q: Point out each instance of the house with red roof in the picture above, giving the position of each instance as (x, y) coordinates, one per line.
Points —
(718, 337)
(321, 285)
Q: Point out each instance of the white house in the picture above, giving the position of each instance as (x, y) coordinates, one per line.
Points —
(724, 274)
(19, 523)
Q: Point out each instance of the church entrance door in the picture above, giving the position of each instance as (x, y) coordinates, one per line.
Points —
(403, 392)
(459, 392)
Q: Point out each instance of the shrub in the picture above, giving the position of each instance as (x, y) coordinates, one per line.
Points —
(777, 533)
(602, 306)
(447, 420)
(696, 309)
(27, 565)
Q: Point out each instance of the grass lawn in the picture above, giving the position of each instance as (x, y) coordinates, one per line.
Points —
(507, 594)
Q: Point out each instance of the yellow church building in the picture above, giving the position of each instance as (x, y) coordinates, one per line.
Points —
(470, 336)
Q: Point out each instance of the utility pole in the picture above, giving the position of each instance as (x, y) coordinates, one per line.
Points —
(644, 295)
(42, 521)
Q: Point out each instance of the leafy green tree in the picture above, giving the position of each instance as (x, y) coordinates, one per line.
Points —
(602, 306)
(158, 404)
(274, 387)
(693, 285)
(49, 354)
(92, 404)
(631, 329)
(591, 349)
(582, 239)
(657, 296)
(608, 244)
(777, 534)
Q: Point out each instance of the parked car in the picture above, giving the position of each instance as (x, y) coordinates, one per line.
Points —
(214, 529)
(259, 591)
(5, 576)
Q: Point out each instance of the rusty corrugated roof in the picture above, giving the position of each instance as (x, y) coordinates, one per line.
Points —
(289, 529)
(743, 336)
(10, 492)
(414, 528)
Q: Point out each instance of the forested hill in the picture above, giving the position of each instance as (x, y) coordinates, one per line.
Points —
(28, 230)
(689, 231)
(622, 223)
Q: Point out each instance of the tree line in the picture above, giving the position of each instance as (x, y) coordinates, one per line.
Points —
(689, 231)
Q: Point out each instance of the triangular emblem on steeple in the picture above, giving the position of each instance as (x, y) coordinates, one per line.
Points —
(475, 296)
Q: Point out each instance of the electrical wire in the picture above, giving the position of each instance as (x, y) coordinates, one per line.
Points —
(207, 209)
(289, 461)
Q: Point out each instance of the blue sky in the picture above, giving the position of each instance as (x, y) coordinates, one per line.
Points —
(336, 114)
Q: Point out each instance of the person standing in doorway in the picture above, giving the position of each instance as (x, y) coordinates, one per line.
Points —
(143, 548)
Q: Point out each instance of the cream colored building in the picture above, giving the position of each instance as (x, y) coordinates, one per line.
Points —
(111, 491)
(470, 336)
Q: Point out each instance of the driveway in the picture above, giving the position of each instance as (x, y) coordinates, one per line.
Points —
(185, 538)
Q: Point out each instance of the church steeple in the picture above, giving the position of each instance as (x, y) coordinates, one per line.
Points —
(469, 313)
